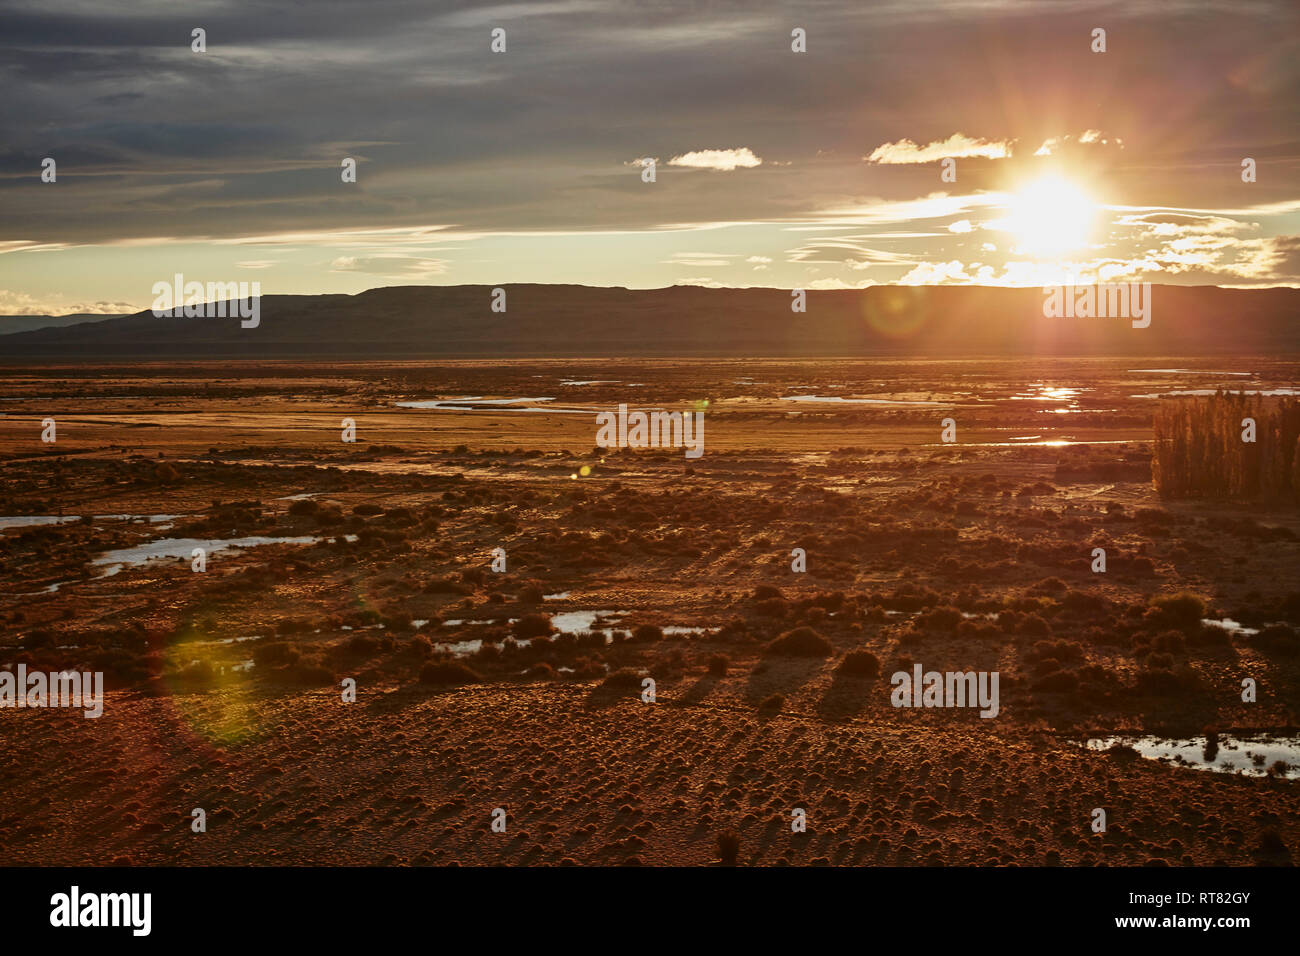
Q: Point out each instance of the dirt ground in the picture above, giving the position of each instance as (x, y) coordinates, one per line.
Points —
(479, 688)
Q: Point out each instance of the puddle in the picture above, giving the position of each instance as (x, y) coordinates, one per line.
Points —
(1187, 371)
(470, 648)
(1049, 393)
(557, 596)
(474, 403)
(28, 521)
(573, 622)
(589, 381)
(606, 622)
(840, 400)
(1251, 756)
(1049, 443)
(1229, 625)
(115, 561)
(1074, 411)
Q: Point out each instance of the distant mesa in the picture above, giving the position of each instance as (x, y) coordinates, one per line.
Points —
(573, 321)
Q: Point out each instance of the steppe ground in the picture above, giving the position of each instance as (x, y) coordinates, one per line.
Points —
(772, 686)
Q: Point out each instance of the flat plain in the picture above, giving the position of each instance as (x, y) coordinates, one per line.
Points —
(522, 689)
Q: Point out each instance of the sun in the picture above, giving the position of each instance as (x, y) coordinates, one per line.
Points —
(1051, 216)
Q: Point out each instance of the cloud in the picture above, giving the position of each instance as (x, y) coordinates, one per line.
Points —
(20, 303)
(707, 282)
(391, 267)
(700, 260)
(723, 160)
(838, 284)
(960, 227)
(1088, 137)
(1171, 224)
(958, 146)
(936, 273)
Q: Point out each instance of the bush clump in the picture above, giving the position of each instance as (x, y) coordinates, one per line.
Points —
(860, 663)
(447, 673)
(533, 625)
(625, 678)
(800, 642)
(1179, 610)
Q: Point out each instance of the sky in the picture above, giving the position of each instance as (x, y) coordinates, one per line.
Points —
(957, 142)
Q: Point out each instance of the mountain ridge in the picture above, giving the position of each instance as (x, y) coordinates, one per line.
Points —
(543, 320)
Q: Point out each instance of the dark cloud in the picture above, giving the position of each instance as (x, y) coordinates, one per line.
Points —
(154, 139)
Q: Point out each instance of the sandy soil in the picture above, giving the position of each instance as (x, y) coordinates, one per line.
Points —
(973, 555)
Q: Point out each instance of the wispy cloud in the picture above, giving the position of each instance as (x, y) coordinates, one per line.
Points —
(1089, 137)
(723, 160)
(391, 267)
(956, 146)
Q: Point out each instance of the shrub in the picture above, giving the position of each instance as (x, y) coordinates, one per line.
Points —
(648, 632)
(304, 506)
(718, 665)
(329, 515)
(1182, 609)
(1057, 682)
(275, 654)
(800, 642)
(448, 673)
(1083, 603)
(1277, 639)
(1160, 682)
(625, 678)
(939, 617)
(1034, 624)
(860, 663)
(1271, 844)
(446, 586)
(419, 647)
(533, 625)
(361, 645)
(310, 673)
(1171, 641)
(772, 704)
